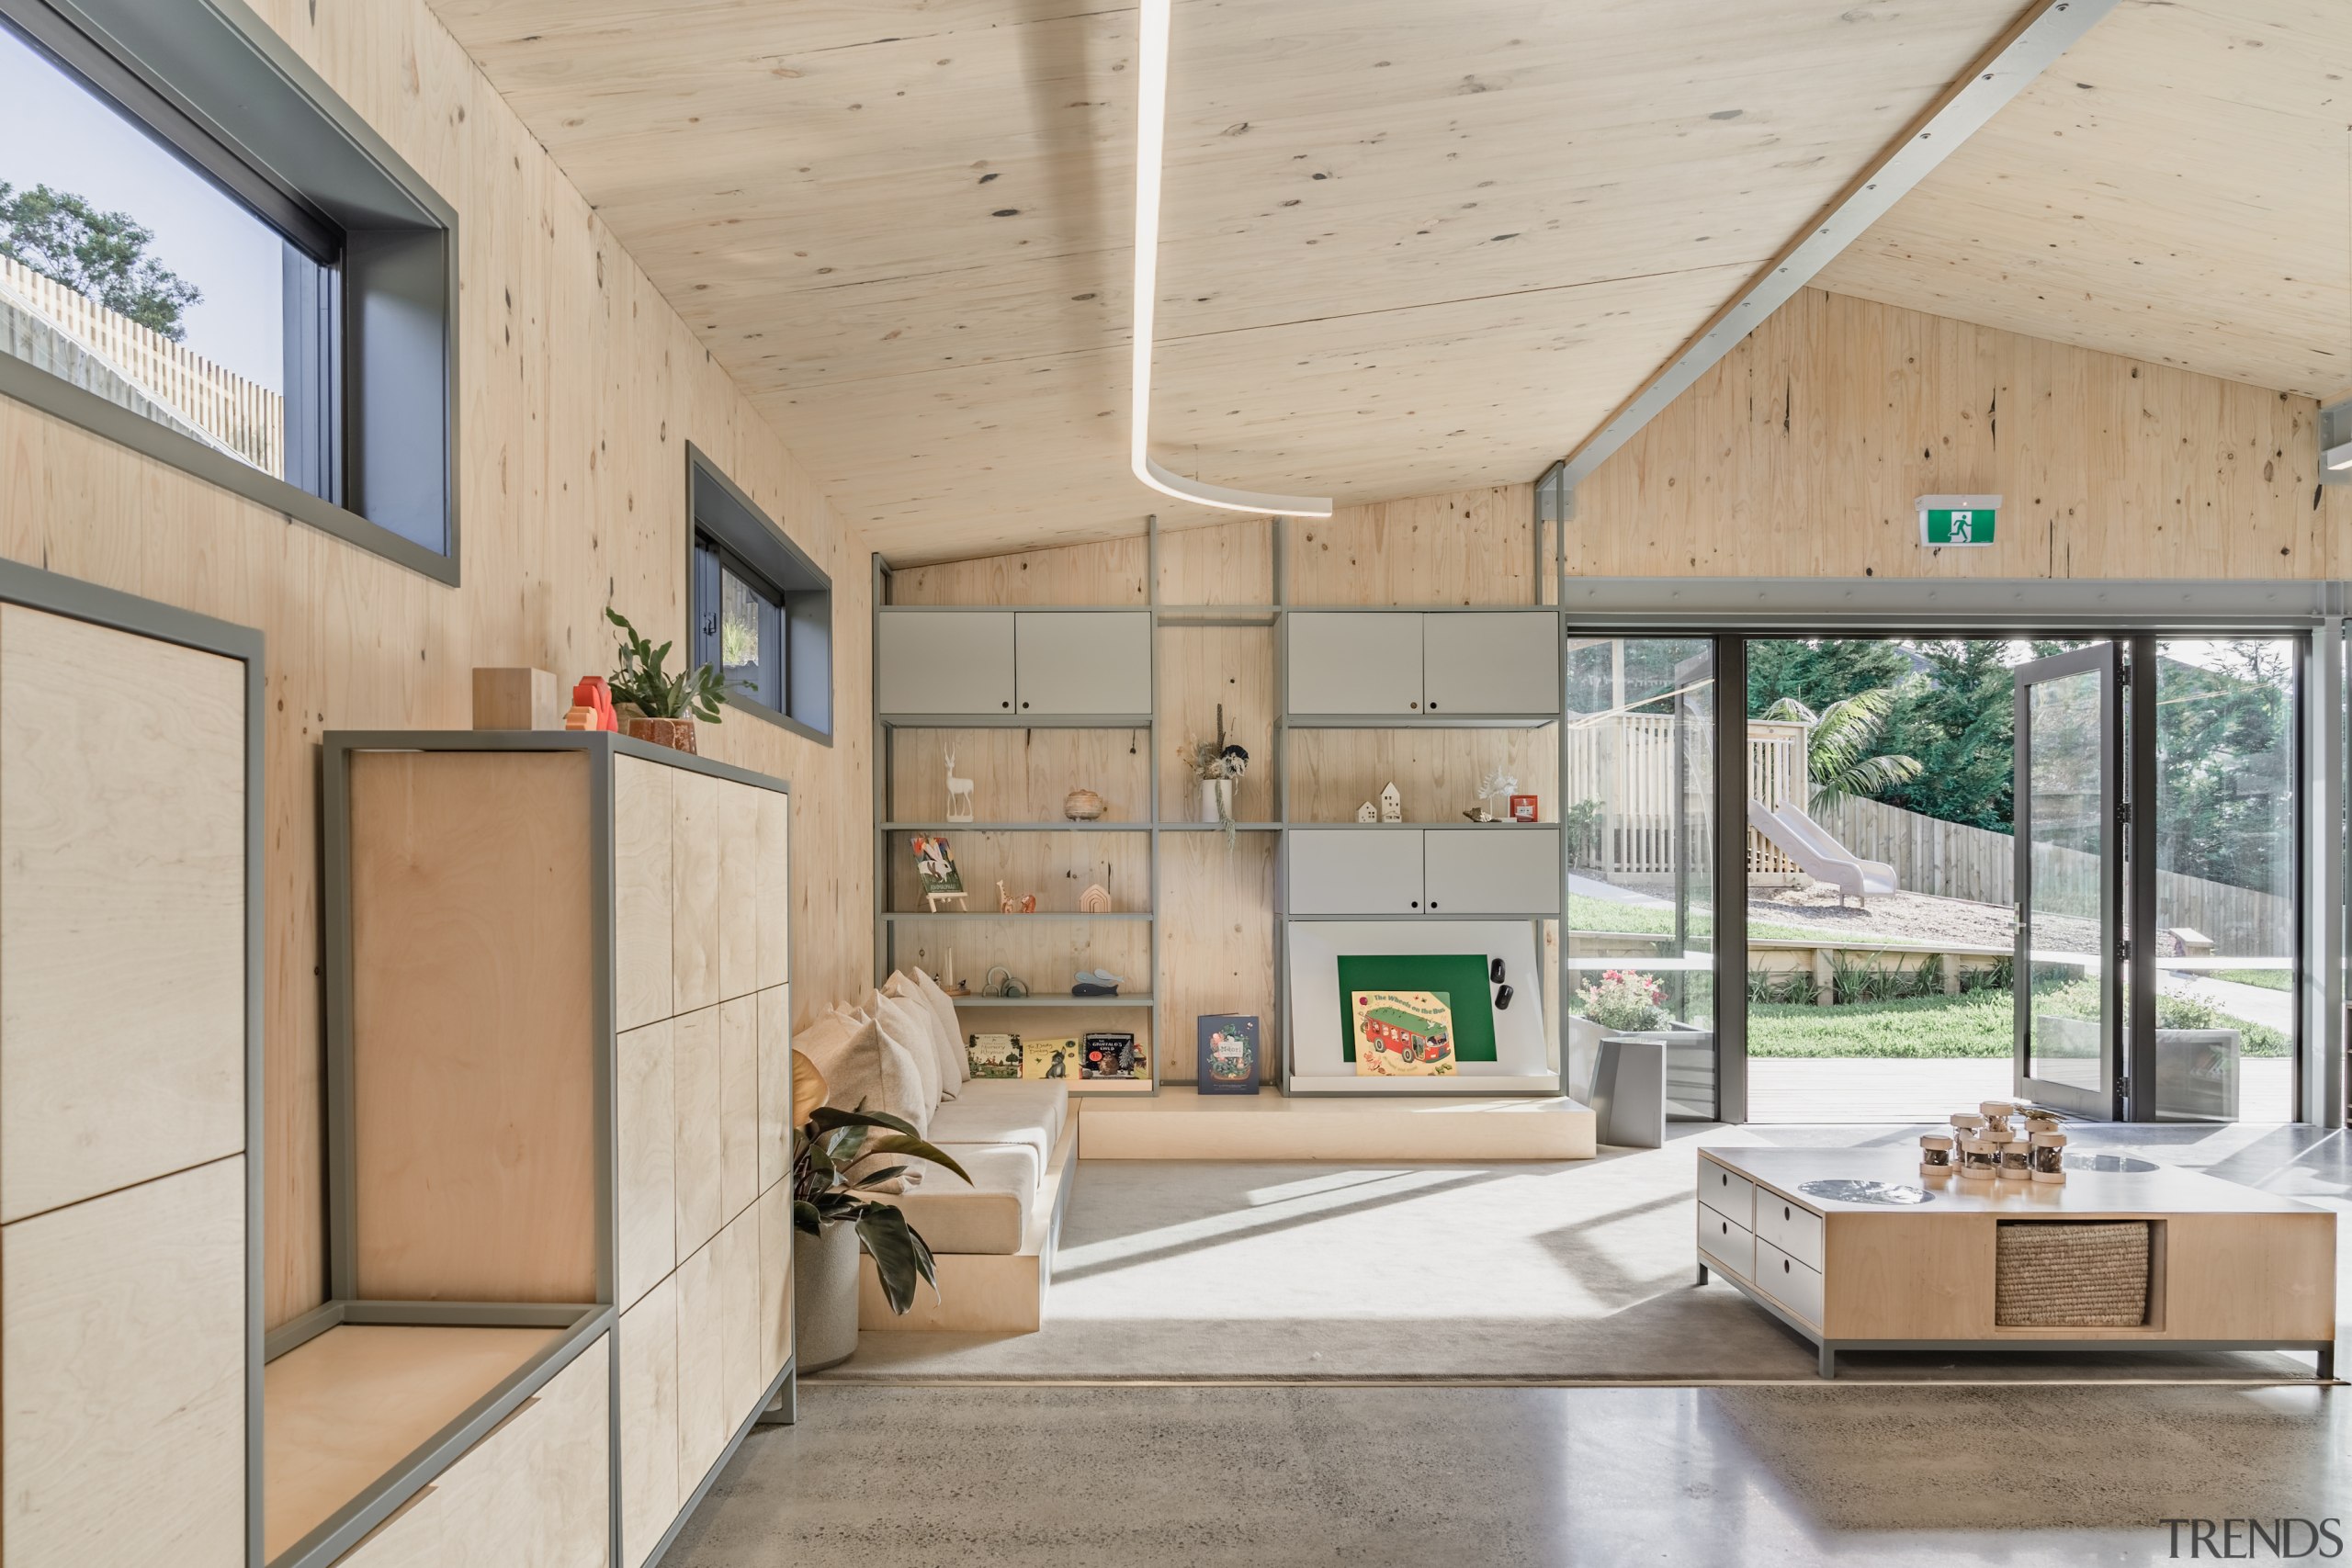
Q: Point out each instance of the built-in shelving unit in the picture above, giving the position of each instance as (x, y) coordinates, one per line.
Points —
(949, 678)
(1494, 671)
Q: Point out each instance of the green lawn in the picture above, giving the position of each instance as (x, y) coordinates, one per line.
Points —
(1976, 1023)
(2269, 979)
(1586, 913)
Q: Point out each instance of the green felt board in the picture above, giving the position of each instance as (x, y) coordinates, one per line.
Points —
(1460, 976)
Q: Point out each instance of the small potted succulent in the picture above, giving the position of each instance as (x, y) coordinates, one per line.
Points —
(835, 1219)
(656, 707)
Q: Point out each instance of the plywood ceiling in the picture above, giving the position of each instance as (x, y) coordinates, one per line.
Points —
(2176, 188)
(1410, 247)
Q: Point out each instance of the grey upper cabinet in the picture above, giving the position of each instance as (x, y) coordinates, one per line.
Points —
(944, 661)
(1495, 664)
(1355, 661)
(1086, 662)
(1005, 663)
(1344, 871)
(1491, 871)
(1501, 662)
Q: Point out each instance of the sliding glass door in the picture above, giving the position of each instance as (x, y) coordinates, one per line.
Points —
(1638, 804)
(2065, 998)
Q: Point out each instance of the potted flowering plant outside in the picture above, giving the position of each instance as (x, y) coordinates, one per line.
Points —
(1622, 1002)
(1625, 1001)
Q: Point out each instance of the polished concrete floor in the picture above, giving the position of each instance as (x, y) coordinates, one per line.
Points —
(1412, 1472)
(994, 1477)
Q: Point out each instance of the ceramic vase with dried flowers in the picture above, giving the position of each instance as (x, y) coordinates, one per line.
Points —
(1214, 765)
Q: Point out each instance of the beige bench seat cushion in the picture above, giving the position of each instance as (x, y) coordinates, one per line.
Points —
(991, 1214)
(1002, 1131)
(1005, 1111)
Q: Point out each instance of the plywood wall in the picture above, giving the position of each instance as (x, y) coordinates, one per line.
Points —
(580, 388)
(1799, 455)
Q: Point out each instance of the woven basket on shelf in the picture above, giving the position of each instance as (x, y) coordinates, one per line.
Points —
(2047, 1274)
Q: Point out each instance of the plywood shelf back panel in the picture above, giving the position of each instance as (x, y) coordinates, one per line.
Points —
(472, 1021)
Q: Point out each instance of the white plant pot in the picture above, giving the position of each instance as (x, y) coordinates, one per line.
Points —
(825, 1297)
(1214, 794)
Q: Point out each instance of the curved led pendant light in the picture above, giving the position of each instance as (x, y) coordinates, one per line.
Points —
(1151, 135)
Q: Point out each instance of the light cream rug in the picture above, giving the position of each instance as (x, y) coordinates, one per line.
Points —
(1574, 1272)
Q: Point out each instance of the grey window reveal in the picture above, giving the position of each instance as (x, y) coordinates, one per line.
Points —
(307, 358)
(760, 610)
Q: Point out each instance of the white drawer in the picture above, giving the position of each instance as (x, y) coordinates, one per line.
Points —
(1733, 1197)
(1725, 1245)
(1794, 1231)
(1789, 1282)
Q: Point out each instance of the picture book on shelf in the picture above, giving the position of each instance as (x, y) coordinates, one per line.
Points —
(936, 871)
(994, 1055)
(1402, 1033)
(1108, 1055)
(1048, 1058)
(1228, 1054)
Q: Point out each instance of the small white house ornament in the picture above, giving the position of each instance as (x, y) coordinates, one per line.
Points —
(1367, 812)
(1392, 805)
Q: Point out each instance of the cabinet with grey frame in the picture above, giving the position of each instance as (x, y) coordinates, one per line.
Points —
(558, 1102)
(132, 836)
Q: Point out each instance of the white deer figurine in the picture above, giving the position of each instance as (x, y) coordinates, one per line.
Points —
(959, 793)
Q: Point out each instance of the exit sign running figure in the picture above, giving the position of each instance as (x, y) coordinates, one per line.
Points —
(1958, 519)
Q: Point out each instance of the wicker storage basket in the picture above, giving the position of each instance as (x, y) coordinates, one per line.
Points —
(2048, 1274)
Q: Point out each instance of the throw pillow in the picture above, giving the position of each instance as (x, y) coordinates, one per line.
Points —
(862, 1068)
(956, 1063)
(908, 1027)
(946, 1050)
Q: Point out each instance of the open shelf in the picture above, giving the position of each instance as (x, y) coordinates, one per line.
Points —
(1052, 999)
(1413, 827)
(1016, 827)
(994, 915)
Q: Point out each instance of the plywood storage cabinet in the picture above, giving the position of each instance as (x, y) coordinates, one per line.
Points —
(559, 1093)
(130, 984)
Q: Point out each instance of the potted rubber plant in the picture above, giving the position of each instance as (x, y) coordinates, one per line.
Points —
(835, 1220)
(658, 707)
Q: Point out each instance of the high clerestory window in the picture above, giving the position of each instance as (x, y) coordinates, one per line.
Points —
(206, 256)
(762, 611)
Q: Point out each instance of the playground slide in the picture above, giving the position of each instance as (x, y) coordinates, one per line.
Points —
(1817, 855)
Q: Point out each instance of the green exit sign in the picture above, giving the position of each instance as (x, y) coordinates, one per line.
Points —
(1958, 519)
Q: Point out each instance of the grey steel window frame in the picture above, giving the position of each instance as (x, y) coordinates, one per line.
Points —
(724, 522)
(214, 83)
(2310, 610)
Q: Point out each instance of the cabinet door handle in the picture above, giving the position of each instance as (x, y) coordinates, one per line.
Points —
(1006, 703)
(1413, 704)
(1417, 903)
(1432, 903)
(1024, 704)
(1432, 707)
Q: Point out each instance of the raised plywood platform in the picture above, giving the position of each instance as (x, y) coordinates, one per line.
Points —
(1181, 1123)
(985, 1292)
